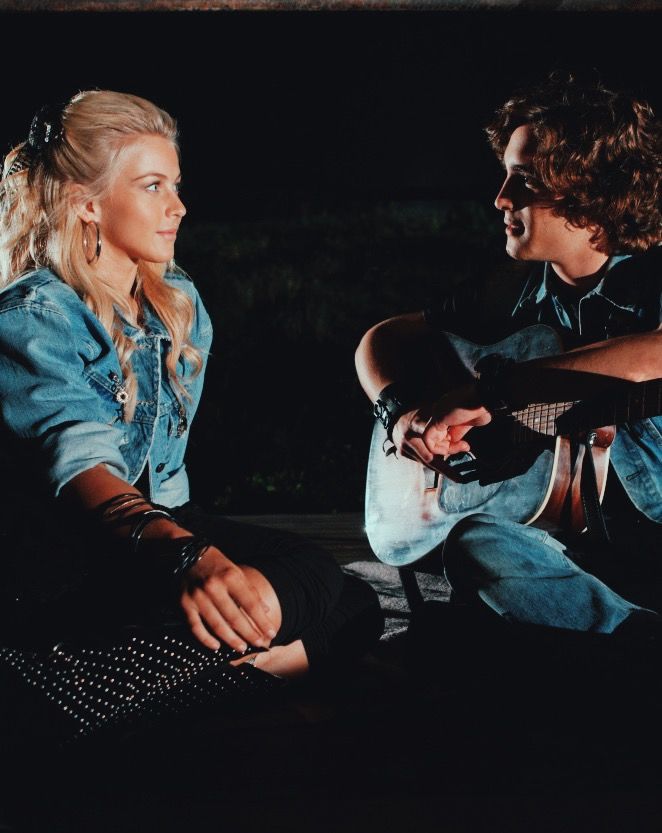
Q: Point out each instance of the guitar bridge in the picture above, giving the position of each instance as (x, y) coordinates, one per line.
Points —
(431, 480)
(462, 468)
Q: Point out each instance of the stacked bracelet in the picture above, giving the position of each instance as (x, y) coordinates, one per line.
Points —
(143, 520)
(174, 555)
(190, 553)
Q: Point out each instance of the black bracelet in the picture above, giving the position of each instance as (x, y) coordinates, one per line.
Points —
(172, 556)
(491, 383)
(169, 558)
(143, 519)
(393, 401)
(190, 553)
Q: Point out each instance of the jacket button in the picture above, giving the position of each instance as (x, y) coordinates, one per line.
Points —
(160, 467)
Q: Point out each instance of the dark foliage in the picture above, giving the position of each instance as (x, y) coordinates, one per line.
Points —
(283, 425)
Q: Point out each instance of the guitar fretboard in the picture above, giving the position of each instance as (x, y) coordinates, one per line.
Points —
(643, 399)
(540, 417)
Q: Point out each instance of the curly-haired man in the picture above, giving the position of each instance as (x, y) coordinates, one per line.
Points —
(583, 173)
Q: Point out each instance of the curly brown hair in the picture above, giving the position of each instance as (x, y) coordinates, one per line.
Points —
(598, 151)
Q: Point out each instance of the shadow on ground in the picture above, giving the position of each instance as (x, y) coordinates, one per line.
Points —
(485, 732)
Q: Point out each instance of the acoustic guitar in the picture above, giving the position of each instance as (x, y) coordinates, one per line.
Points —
(525, 466)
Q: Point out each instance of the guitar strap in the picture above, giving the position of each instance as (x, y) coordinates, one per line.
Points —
(595, 521)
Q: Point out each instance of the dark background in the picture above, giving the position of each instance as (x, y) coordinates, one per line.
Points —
(335, 173)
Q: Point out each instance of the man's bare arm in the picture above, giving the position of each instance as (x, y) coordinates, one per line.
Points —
(590, 370)
(397, 349)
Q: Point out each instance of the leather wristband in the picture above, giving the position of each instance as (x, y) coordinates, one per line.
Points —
(491, 383)
(393, 401)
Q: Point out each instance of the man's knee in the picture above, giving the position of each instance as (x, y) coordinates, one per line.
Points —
(482, 547)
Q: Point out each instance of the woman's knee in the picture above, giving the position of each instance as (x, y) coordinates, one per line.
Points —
(316, 569)
(267, 594)
(351, 628)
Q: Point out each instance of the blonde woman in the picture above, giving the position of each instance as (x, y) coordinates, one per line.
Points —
(103, 344)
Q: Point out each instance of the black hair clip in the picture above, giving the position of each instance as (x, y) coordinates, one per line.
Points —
(46, 130)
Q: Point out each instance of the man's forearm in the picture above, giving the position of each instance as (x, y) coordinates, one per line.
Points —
(396, 350)
(587, 371)
(399, 350)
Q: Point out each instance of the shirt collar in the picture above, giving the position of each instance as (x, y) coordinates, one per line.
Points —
(610, 287)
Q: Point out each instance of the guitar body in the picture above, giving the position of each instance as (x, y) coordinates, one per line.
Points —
(410, 508)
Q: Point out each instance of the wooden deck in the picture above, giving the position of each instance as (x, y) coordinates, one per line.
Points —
(475, 737)
(343, 533)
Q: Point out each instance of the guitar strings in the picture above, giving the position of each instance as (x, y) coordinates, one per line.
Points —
(645, 400)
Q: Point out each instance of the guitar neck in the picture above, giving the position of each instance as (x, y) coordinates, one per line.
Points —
(642, 399)
(645, 400)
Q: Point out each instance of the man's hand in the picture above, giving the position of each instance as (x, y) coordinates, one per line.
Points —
(217, 598)
(438, 430)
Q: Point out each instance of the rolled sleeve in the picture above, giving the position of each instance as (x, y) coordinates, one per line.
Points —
(44, 394)
(81, 446)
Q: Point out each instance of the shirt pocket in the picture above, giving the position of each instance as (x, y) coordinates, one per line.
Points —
(652, 428)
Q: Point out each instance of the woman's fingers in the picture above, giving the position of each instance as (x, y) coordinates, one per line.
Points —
(212, 612)
(247, 598)
(206, 621)
(218, 592)
(197, 627)
(224, 618)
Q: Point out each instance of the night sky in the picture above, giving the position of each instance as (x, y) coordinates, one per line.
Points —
(282, 109)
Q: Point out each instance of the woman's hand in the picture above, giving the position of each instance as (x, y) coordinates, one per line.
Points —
(218, 599)
(438, 430)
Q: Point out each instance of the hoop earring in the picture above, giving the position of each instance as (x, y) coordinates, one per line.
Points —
(86, 242)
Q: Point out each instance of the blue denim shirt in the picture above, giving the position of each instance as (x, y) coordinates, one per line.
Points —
(60, 387)
(627, 300)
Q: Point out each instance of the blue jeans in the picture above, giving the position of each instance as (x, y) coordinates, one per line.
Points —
(527, 576)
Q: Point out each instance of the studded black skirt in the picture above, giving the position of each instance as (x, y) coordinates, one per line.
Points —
(138, 678)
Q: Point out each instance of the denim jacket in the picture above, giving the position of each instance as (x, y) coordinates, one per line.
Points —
(627, 300)
(61, 387)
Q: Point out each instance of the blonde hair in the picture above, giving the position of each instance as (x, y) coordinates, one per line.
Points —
(39, 226)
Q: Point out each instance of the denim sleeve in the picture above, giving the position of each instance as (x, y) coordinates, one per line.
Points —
(44, 395)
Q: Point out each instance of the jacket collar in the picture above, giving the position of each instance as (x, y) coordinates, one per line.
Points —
(153, 325)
